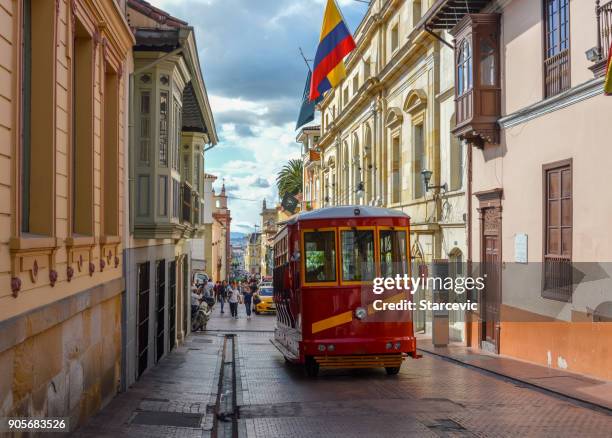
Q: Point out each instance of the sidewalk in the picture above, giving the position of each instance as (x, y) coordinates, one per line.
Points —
(572, 385)
(169, 400)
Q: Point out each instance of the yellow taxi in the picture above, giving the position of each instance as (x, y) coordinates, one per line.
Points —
(264, 300)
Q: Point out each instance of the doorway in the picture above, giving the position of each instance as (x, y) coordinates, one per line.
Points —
(160, 309)
(172, 304)
(491, 263)
(143, 316)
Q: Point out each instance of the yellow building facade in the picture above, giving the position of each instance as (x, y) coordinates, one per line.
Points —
(63, 124)
(387, 124)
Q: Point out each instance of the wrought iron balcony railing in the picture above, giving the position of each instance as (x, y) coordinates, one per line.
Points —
(604, 28)
(557, 73)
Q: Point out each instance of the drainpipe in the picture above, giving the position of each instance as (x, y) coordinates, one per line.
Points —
(131, 135)
(468, 335)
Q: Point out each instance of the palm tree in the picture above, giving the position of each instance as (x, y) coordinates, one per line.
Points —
(289, 179)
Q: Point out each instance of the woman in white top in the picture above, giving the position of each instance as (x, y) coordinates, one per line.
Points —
(234, 299)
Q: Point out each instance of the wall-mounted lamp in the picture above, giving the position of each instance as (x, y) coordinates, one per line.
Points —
(426, 174)
(360, 190)
(593, 54)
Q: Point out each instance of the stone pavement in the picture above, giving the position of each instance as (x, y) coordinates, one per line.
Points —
(430, 397)
(175, 392)
(572, 385)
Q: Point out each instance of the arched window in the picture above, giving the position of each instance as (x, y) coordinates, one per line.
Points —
(487, 63)
(464, 68)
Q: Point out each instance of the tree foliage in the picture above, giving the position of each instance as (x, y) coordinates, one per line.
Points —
(289, 179)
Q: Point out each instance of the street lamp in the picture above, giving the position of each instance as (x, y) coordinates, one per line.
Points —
(360, 190)
(426, 174)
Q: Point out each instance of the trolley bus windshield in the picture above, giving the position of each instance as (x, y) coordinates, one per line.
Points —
(320, 256)
(357, 255)
(393, 253)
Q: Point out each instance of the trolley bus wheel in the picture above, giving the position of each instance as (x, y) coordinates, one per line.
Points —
(392, 371)
(312, 367)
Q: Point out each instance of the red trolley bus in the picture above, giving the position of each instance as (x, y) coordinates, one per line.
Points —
(324, 264)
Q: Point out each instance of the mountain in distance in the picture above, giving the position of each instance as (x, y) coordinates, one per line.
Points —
(237, 235)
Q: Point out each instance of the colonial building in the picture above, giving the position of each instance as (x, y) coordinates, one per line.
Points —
(308, 137)
(221, 248)
(207, 223)
(385, 135)
(252, 255)
(172, 125)
(63, 124)
(530, 105)
(268, 231)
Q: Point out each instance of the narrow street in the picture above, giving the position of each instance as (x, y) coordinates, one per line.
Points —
(191, 394)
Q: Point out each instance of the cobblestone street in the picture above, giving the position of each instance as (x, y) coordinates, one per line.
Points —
(430, 397)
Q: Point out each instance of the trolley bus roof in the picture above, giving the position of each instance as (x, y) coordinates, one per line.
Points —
(346, 211)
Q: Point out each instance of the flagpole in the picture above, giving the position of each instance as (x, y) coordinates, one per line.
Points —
(305, 60)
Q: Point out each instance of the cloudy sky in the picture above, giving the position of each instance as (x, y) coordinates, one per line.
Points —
(255, 78)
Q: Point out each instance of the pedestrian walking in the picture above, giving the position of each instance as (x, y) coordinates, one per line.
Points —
(248, 293)
(223, 289)
(234, 299)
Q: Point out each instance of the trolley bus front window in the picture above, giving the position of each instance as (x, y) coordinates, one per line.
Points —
(358, 255)
(320, 256)
(393, 253)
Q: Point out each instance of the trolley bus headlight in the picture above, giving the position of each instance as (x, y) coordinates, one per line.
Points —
(360, 312)
(397, 345)
(331, 347)
(321, 347)
(388, 345)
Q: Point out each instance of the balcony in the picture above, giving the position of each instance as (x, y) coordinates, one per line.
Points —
(557, 73)
(604, 36)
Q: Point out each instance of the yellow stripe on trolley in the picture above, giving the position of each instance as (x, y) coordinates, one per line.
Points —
(343, 318)
(332, 321)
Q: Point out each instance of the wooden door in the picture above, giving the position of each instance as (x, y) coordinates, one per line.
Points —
(172, 304)
(143, 317)
(491, 271)
(160, 309)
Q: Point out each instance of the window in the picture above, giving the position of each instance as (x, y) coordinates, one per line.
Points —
(488, 71)
(464, 68)
(197, 171)
(456, 161)
(345, 96)
(83, 136)
(419, 161)
(176, 198)
(355, 84)
(144, 153)
(393, 253)
(162, 193)
(143, 196)
(186, 167)
(416, 12)
(558, 212)
(320, 256)
(367, 69)
(395, 170)
(357, 255)
(177, 135)
(394, 38)
(556, 47)
(37, 112)
(110, 172)
(163, 129)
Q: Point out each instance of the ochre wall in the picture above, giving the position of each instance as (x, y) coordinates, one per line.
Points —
(60, 293)
(61, 363)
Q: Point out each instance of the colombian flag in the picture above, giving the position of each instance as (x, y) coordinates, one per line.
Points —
(335, 43)
(608, 83)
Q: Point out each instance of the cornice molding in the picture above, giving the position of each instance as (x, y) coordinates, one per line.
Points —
(584, 91)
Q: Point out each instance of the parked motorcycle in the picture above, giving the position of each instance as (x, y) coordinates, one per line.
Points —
(200, 318)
